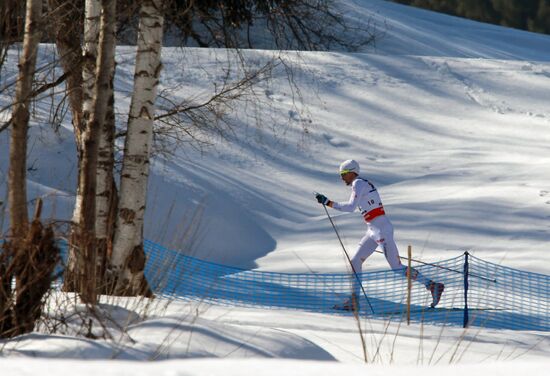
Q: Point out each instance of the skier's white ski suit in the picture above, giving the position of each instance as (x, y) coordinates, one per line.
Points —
(379, 229)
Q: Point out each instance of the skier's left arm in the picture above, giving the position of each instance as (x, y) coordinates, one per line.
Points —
(353, 199)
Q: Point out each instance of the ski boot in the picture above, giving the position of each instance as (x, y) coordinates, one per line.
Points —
(351, 304)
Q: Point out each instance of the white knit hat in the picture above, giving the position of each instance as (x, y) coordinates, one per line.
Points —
(349, 166)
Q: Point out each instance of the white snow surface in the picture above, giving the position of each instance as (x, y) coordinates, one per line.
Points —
(251, 367)
(448, 117)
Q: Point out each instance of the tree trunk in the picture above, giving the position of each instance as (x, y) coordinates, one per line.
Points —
(128, 259)
(67, 24)
(91, 262)
(89, 58)
(33, 266)
(9, 10)
(106, 194)
(34, 271)
(17, 186)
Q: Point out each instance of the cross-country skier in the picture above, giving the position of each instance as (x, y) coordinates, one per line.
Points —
(379, 232)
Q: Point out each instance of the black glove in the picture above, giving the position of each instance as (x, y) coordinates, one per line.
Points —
(322, 199)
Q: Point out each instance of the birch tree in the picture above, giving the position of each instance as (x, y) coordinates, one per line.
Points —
(17, 185)
(90, 262)
(80, 66)
(31, 255)
(89, 57)
(128, 258)
(106, 191)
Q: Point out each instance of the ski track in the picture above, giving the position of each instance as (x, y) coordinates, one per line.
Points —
(476, 93)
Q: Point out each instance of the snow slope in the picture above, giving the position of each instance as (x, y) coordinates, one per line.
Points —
(448, 117)
(455, 141)
(413, 31)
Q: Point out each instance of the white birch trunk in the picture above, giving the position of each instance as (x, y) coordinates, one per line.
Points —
(17, 184)
(128, 260)
(92, 26)
(91, 261)
(92, 15)
(105, 163)
(91, 40)
(106, 194)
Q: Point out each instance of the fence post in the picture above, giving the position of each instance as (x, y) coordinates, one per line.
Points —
(466, 267)
(409, 285)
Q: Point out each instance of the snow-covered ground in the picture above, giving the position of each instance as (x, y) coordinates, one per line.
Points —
(182, 330)
(447, 116)
(251, 367)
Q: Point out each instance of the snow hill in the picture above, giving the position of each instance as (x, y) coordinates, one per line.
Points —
(448, 117)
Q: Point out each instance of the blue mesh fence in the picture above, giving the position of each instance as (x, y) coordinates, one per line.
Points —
(483, 294)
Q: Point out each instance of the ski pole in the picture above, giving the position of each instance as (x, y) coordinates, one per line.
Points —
(349, 259)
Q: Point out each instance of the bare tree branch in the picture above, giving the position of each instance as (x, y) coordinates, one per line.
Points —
(227, 93)
(36, 92)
